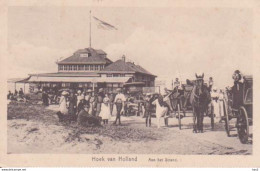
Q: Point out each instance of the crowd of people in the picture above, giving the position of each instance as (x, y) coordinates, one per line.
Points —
(16, 95)
(77, 105)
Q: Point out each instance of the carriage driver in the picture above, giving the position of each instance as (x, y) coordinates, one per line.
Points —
(237, 90)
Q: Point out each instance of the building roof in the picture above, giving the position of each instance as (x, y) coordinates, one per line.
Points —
(122, 66)
(17, 80)
(98, 56)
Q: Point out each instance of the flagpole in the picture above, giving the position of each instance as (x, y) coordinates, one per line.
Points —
(90, 28)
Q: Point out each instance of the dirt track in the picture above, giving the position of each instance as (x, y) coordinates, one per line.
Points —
(33, 136)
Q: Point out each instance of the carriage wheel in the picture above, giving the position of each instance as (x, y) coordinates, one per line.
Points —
(179, 116)
(226, 118)
(242, 125)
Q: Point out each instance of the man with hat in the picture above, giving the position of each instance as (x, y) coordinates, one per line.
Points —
(72, 105)
(88, 96)
(211, 82)
(119, 102)
(100, 97)
(147, 107)
(237, 89)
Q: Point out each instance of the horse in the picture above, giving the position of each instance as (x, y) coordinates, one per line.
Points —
(200, 99)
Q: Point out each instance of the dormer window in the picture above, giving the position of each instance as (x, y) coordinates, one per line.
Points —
(84, 55)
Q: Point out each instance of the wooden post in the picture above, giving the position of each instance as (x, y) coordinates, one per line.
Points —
(93, 87)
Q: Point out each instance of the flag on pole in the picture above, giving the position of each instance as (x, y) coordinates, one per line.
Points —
(104, 25)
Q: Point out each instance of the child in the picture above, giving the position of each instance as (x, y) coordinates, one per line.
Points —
(105, 110)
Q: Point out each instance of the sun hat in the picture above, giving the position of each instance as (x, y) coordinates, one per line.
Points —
(64, 93)
(89, 91)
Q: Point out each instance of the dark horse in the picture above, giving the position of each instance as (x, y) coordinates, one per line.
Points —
(200, 99)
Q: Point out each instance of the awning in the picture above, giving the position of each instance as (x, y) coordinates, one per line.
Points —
(79, 79)
(18, 80)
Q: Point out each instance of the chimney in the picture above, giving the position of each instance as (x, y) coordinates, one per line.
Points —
(123, 58)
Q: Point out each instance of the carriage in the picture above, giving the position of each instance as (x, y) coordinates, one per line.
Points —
(182, 105)
(243, 114)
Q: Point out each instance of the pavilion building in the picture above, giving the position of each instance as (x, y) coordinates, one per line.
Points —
(91, 69)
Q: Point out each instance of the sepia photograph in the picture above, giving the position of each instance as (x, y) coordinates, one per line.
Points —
(129, 81)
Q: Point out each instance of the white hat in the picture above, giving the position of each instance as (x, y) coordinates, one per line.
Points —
(148, 94)
(79, 91)
(214, 88)
(89, 90)
(64, 93)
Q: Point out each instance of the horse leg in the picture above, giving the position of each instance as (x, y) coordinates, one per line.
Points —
(198, 121)
(201, 123)
(194, 122)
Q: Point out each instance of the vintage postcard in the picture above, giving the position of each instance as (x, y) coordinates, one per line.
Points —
(103, 83)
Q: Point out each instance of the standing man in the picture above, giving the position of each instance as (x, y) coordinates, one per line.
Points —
(120, 102)
(211, 82)
(72, 105)
(111, 100)
(21, 93)
(237, 90)
(147, 107)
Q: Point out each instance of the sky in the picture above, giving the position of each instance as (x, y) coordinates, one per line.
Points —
(169, 42)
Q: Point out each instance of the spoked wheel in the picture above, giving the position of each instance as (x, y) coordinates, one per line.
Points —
(179, 116)
(242, 125)
(226, 118)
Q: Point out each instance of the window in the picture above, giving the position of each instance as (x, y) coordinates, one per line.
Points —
(65, 84)
(60, 67)
(101, 67)
(46, 84)
(80, 85)
(75, 67)
(81, 67)
(84, 55)
(96, 67)
(91, 67)
(70, 67)
(122, 75)
(109, 75)
(86, 67)
(65, 67)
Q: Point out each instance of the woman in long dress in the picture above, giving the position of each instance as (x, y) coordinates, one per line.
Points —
(215, 102)
(63, 110)
(63, 104)
(105, 110)
(160, 109)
